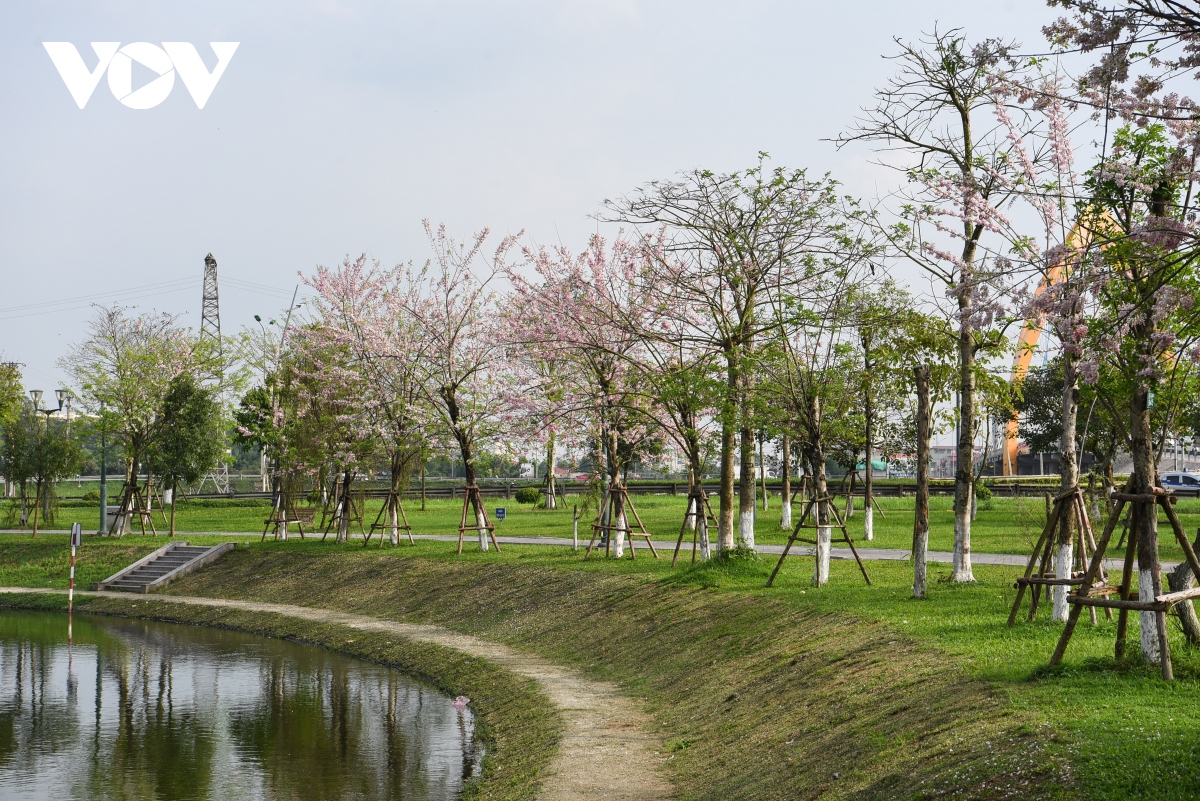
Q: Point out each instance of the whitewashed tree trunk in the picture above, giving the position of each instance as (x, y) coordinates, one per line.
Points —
(824, 537)
(1063, 559)
(785, 474)
(962, 539)
(395, 523)
(481, 522)
(747, 487)
(920, 552)
(551, 501)
(1148, 620)
(619, 533)
(702, 533)
(868, 522)
(746, 527)
(692, 517)
(343, 530)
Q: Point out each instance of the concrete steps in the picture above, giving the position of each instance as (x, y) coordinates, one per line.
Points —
(164, 566)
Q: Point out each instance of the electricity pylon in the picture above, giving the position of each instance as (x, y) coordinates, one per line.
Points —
(210, 332)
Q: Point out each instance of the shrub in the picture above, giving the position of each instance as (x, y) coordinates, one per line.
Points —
(528, 495)
(983, 494)
(92, 497)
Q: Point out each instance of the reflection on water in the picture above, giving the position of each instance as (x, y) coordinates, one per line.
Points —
(142, 710)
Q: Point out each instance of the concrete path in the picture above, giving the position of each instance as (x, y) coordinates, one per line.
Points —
(605, 751)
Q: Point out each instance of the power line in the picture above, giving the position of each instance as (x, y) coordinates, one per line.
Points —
(179, 283)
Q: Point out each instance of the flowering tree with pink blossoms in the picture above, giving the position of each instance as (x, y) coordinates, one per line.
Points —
(378, 370)
(717, 244)
(937, 113)
(567, 325)
(463, 371)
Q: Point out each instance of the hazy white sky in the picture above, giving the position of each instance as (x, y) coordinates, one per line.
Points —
(340, 124)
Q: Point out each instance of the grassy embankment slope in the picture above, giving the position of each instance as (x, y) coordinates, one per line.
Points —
(841, 691)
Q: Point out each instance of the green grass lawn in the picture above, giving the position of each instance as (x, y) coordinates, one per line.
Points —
(1121, 727)
(1010, 525)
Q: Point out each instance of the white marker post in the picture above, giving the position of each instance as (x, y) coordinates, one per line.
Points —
(76, 541)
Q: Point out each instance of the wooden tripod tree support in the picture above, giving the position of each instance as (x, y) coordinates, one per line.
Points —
(285, 513)
(343, 504)
(1161, 603)
(133, 502)
(695, 502)
(472, 493)
(837, 523)
(152, 495)
(1043, 557)
(392, 502)
(613, 506)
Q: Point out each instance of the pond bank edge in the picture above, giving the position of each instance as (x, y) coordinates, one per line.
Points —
(518, 725)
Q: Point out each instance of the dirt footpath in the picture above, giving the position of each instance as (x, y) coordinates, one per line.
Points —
(605, 752)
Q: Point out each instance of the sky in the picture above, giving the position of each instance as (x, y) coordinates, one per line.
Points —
(338, 126)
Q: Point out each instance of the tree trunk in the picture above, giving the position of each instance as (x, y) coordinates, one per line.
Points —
(868, 479)
(1068, 478)
(762, 469)
(699, 521)
(476, 500)
(36, 504)
(343, 534)
(964, 475)
(622, 526)
(816, 457)
(728, 427)
(746, 489)
(1182, 578)
(785, 473)
(551, 501)
(1145, 522)
(920, 544)
(173, 493)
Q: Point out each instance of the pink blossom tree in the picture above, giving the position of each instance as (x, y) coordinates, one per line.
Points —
(567, 324)
(379, 369)
(463, 364)
(935, 114)
(718, 243)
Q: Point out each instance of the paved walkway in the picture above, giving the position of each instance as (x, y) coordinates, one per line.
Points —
(606, 750)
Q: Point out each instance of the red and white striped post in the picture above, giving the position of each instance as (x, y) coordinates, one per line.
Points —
(76, 541)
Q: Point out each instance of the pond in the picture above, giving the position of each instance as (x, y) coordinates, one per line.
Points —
(142, 710)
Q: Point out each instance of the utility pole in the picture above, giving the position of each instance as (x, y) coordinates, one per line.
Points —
(103, 474)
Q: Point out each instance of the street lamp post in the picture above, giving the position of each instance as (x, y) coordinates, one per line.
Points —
(64, 401)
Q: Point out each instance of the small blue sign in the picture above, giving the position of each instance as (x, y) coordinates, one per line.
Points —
(501, 513)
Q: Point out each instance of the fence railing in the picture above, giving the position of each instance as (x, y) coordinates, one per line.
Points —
(508, 490)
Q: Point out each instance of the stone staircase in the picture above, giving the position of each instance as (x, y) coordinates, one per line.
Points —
(164, 566)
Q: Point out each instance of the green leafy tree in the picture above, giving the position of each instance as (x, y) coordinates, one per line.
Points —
(190, 439)
(16, 457)
(55, 455)
(124, 370)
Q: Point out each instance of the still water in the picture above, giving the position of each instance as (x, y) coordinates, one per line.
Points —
(143, 710)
